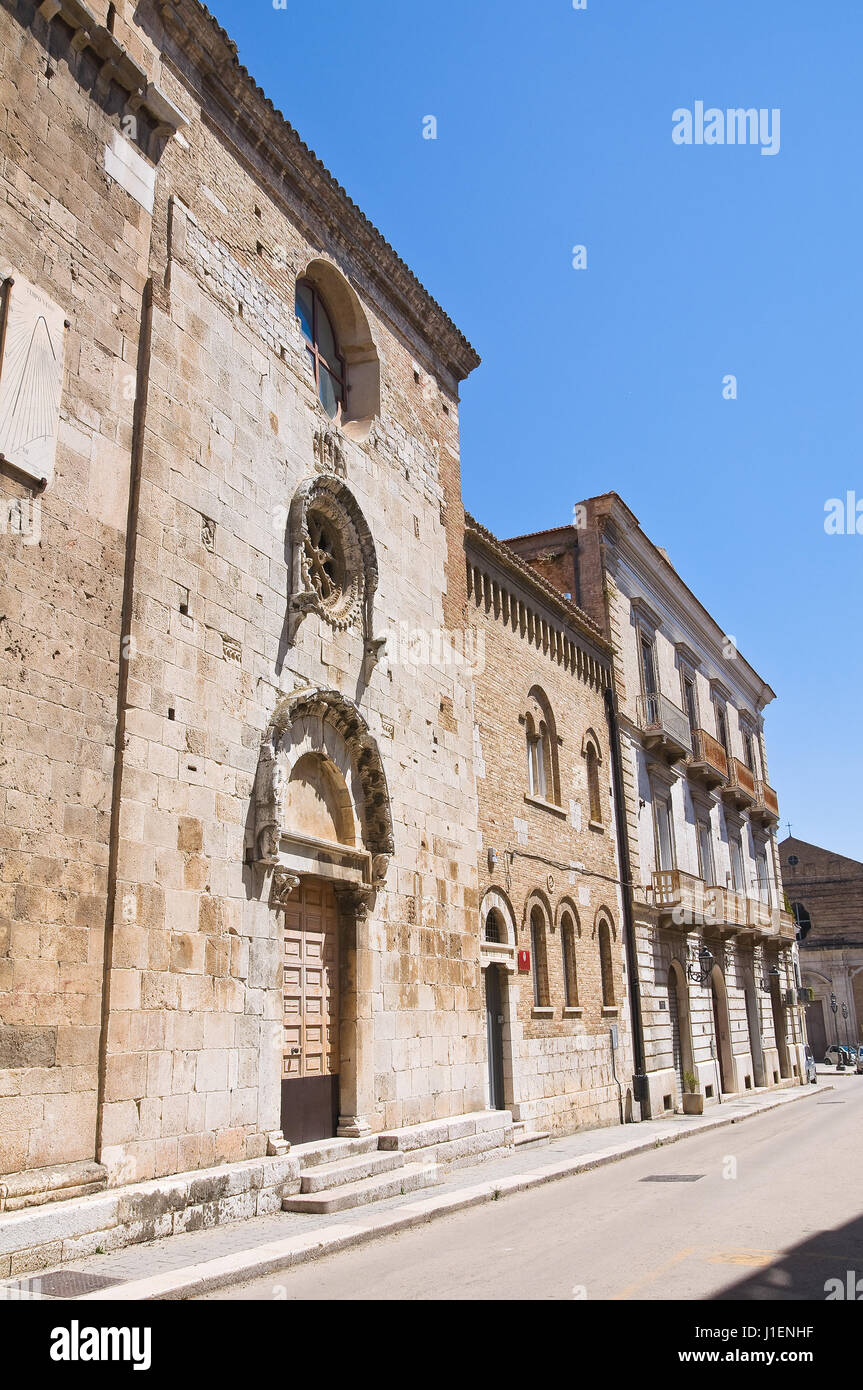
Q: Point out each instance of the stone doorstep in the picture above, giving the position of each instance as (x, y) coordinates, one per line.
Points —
(35, 1186)
(324, 1176)
(409, 1177)
(435, 1132)
(331, 1150)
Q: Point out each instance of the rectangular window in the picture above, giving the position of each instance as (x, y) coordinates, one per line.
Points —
(722, 727)
(664, 837)
(737, 880)
(748, 750)
(763, 877)
(648, 667)
(690, 704)
(705, 852)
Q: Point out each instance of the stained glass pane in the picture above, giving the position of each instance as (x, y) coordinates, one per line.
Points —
(304, 311)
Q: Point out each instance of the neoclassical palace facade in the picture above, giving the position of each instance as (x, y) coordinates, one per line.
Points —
(310, 822)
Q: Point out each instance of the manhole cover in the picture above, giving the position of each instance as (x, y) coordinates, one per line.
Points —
(63, 1283)
(674, 1177)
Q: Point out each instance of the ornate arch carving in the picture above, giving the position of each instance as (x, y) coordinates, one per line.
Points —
(332, 725)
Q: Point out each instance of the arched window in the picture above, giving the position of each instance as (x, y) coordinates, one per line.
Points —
(537, 758)
(495, 929)
(542, 766)
(570, 973)
(538, 958)
(327, 363)
(803, 920)
(592, 759)
(605, 964)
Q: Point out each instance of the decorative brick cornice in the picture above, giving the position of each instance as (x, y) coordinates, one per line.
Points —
(229, 85)
(552, 598)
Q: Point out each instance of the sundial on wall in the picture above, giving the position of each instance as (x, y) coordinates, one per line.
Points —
(31, 377)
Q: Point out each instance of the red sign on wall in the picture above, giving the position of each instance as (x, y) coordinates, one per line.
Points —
(524, 962)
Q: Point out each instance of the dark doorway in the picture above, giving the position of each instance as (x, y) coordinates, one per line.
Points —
(779, 1027)
(494, 1037)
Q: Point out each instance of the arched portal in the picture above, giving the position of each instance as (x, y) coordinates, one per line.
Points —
(780, 1027)
(678, 1010)
(753, 1020)
(323, 840)
(722, 1029)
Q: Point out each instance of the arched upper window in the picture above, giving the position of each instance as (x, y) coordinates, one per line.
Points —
(495, 928)
(327, 363)
(539, 958)
(570, 972)
(592, 759)
(605, 963)
(543, 778)
(802, 919)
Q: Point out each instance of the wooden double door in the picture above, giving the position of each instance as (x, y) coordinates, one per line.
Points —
(310, 1011)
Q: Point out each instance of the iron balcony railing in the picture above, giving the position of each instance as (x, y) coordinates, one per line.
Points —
(740, 787)
(661, 721)
(766, 806)
(709, 760)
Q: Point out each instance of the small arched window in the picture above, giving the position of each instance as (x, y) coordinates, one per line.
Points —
(495, 930)
(542, 763)
(327, 363)
(592, 759)
(802, 919)
(570, 973)
(537, 759)
(605, 964)
(539, 959)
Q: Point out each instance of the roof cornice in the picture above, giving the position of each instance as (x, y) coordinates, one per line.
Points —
(229, 85)
(546, 593)
(638, 551)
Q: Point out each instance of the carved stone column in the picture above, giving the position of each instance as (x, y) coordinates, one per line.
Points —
(356, 1030)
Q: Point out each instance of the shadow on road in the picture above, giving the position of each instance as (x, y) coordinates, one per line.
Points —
(805, 1272)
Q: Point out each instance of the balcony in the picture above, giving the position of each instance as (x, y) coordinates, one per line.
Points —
(665, 727)
(760, 917)
(766, 808)
(678, 897)
(709, 763)
(725, 909)
(739, 790)
(787, 927)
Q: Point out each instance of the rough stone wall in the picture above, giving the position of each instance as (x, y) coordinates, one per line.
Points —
(557, 1060)
(76, 234)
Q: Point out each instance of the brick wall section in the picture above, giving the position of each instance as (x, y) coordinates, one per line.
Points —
(83, 240)
(558, 1065)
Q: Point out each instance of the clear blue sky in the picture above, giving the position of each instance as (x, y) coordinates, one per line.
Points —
(554, 129)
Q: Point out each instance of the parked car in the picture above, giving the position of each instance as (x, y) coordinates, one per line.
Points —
(846, 1055)
(811, 1073)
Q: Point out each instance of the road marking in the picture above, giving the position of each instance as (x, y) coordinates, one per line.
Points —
(653, 1274)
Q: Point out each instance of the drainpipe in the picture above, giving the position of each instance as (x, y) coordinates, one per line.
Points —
(640, 1091)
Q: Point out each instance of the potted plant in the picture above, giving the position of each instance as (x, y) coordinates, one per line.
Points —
(693, 1100)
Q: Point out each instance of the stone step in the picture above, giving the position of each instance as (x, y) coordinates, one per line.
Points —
(491, 1123)
(326, 1175)
(332, 1150)
(525, 1137)
(410, 1178)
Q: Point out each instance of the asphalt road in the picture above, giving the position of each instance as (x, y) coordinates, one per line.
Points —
(774, 1211)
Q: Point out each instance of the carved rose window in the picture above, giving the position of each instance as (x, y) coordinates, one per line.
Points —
(325, 559)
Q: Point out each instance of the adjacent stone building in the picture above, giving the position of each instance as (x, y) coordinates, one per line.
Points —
(550, 907)
(717, 977)
(825, 893)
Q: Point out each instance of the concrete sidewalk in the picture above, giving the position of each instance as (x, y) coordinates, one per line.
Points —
(184, 1265)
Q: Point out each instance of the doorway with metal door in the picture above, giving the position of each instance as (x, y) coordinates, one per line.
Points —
(494, 991)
